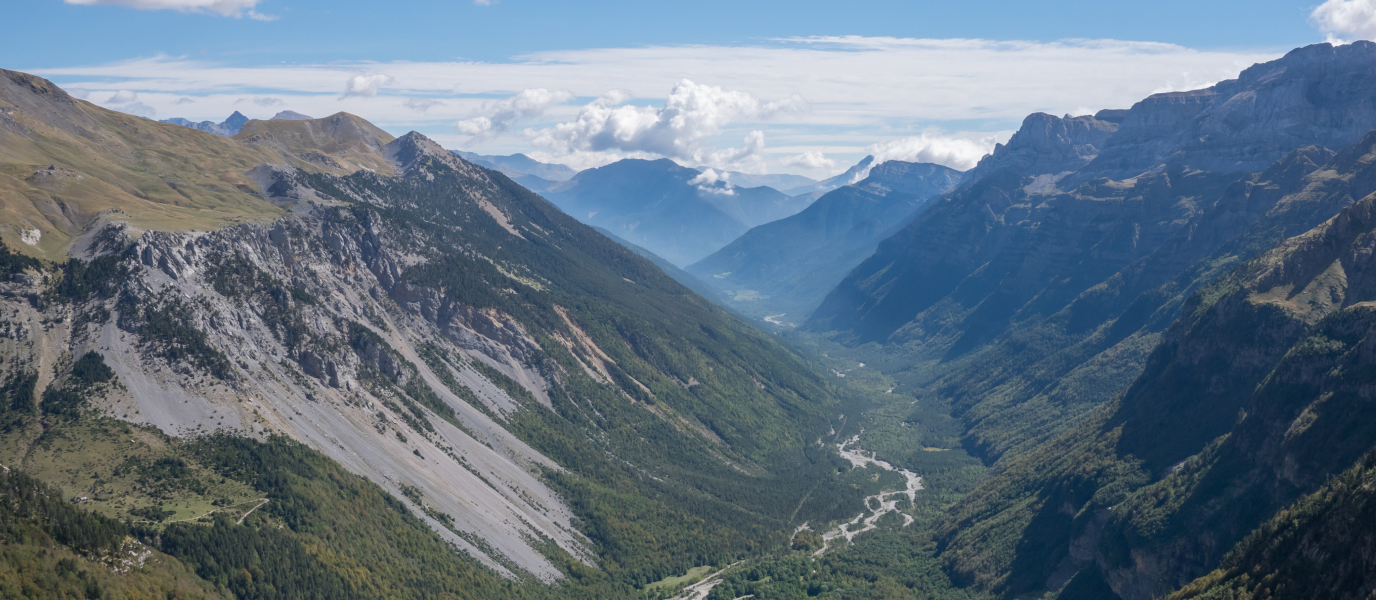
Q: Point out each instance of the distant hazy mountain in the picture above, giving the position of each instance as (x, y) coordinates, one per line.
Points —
(778, 181)
(517, 165)
(291, 115)
(789, 265)
(852, 175)
(655, 204)
(229, 127)
(679, 275)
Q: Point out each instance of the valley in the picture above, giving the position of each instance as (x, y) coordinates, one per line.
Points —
(1126, 355)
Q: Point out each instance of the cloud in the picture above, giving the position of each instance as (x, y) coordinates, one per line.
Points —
(1345, 19)
(183, 100)
(811, 159)
(366, 85)
(261, 101)
(126, 101)
(680, 129)
(858, 90)
(122, 97)
(421, 104)
(79, 93)
(225, 8)
(498, 117)
(712, 182)
(484, 2)
(955, 152)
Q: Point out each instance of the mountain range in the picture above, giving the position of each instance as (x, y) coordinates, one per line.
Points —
(390, 356)
(782, 269)
(1127, 355)
(530, 173)
(673, 211)
(778, 181)
(1105, 306)
(231, 126)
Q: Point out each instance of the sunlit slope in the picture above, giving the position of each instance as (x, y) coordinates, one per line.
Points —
(338, 142)
(66, 164)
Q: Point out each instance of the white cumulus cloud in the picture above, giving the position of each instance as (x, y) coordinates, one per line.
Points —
(955, 152)
(496, 118)
(811, 159)
(366, 85)
(226, 8)
(691, 115)
(1346, 19)
(713, 182)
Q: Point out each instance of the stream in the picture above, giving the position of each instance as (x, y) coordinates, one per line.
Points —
(888, 501)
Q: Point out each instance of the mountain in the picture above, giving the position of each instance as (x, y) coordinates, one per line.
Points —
(396, 363)
(291, 115)
(1245, 124)
(228, 128)
(669, 209)
(852, 175)
(778, 181)
(339, 141)
(1012, 270)
(1120, 312)
(517, 166)
(72, 167)
(784, 268)
(1316, 547)
(1254, 399)
(679, 275)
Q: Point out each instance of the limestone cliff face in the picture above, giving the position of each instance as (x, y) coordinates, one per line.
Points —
(1317, 95)
(1046, 144)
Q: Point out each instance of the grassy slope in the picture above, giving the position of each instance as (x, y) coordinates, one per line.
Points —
(118, 167)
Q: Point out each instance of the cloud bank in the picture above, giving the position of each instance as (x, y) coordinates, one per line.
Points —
(859, 91)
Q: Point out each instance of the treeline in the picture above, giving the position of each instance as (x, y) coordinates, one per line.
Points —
(32, 512)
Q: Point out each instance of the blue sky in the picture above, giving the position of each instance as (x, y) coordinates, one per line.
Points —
(801, 86)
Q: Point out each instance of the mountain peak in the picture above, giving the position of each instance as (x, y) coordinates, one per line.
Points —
(409, 150)
(340, 141)
(290, 115)
(32, 84)
(1048, 144)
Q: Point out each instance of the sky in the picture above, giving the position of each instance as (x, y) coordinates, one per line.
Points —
(806, 86)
